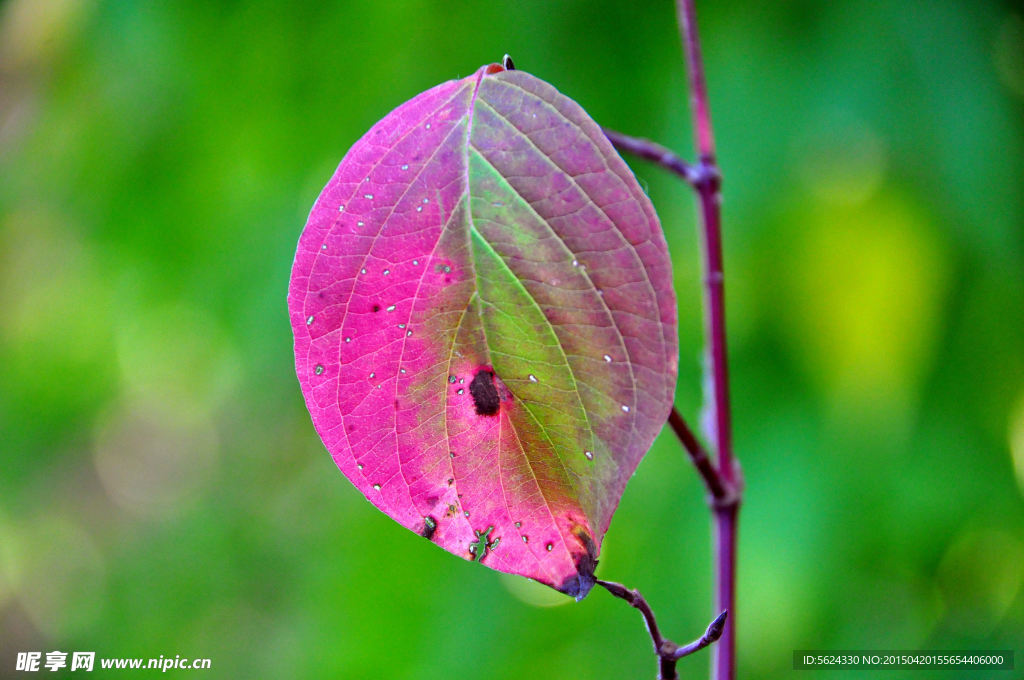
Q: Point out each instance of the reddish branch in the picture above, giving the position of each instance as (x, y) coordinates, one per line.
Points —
(708, 188)
(721, 476)
(687, 17)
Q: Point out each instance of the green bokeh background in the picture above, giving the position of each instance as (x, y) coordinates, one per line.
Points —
(162, 490)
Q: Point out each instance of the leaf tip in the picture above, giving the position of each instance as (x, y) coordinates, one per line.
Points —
(579, 584)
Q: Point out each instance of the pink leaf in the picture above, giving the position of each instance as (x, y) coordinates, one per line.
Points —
(485, 326)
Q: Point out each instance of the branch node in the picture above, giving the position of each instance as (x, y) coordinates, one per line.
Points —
(734, 491)
(667, 648)
(706, 175)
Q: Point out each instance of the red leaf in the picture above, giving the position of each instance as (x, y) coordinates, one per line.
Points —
(485, 325)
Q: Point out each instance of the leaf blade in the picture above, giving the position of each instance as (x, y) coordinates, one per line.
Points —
(517, 244)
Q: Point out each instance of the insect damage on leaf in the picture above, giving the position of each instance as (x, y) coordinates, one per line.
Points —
(484, 322)
(484, 393)
(480, 547)
(429, 527)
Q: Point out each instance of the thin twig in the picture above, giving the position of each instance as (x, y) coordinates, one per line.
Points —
(635, 599)
(668, 652)
(710, 635)
(722, 492)
(652, 151)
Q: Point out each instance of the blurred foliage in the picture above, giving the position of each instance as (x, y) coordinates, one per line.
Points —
(162, 490)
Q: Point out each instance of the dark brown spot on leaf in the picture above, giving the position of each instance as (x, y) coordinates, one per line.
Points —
(485, 395)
